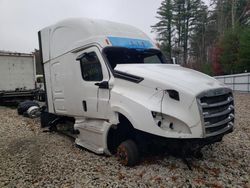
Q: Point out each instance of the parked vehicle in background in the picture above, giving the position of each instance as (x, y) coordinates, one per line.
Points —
(17, 77)
(40, 81)
(112, 81)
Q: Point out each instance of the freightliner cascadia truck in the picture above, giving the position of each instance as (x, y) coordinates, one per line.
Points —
(123, 97)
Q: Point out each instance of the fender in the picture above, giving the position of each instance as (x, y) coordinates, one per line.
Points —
(118, 109)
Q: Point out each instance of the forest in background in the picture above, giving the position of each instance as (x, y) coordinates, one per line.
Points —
(214, 38)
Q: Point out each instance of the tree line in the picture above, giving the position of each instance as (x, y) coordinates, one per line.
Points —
(212, 38)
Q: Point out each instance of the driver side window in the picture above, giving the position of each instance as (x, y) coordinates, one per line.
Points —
(91, 67)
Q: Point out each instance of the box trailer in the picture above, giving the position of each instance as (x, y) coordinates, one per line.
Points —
(17, 76)
(123, 97)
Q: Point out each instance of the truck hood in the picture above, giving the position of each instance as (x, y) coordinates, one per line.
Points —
(169, 76)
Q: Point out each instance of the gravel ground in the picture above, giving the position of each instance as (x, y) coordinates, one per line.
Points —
(32, 158)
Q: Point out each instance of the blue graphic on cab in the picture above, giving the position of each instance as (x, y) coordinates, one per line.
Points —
(130, 43)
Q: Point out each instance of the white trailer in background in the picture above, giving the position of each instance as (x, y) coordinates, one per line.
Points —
(123, 97)
(237, 82)
(17, 76)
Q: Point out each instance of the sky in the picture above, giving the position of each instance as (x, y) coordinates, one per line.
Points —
(20, 20)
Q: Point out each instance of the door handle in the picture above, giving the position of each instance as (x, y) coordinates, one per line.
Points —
(84, 104)
(103, 85)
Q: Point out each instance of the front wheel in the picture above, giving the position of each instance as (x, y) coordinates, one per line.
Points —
(127, 153)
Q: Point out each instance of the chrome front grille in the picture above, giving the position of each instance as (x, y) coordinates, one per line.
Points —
(217, 111)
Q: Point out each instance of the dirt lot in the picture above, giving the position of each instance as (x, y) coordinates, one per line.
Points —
(32, 158)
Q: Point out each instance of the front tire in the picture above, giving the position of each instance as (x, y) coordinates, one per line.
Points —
(128, 153)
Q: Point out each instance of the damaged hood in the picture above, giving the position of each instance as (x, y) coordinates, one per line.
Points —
(169, 76)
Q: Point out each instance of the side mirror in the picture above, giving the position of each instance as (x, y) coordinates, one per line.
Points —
(103, 85)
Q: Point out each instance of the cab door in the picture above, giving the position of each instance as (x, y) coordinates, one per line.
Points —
(94, 92)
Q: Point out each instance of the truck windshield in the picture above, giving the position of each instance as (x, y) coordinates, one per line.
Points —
(120, 55)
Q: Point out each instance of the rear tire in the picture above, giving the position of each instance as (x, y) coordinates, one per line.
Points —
(128, 153)
(46, 118)
(24, 106)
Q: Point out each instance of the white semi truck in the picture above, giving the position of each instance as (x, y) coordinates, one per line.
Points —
(112, 81)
